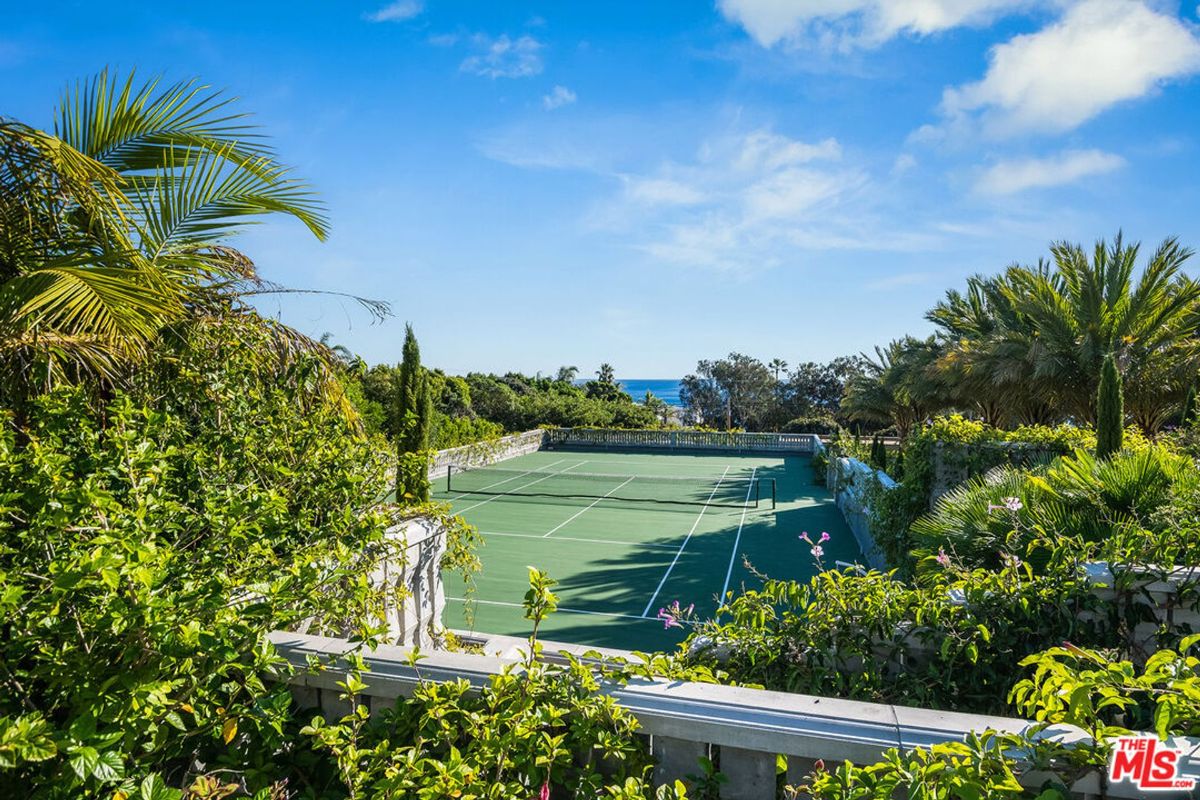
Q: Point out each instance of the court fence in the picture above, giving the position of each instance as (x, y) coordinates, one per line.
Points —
(669, 439)
(482, 454)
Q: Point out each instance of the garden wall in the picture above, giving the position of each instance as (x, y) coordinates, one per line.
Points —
(746, 730)
(482, 454)
(848, 479)
(405, 573)
(793, 443)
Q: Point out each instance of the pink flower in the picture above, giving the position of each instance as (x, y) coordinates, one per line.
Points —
(942, 558)
(825, 537)
(544, 794)
(818, 551)
(804, 537)
(1013, 504)
(673, 614)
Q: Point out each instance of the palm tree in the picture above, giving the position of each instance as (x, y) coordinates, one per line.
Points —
(1039, 335)
(898, 387)
(606, 374)
(566, 374)
(777, 366)
(113, 225)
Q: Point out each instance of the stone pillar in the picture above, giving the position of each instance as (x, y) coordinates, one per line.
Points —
(750, 774)
(677, 759)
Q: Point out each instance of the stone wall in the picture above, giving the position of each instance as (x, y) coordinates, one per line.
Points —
(747, 731)
(405, 574)
(670, 439)
(848, 480)
(482, 454)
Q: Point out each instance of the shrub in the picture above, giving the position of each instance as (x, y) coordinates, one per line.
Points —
(823, 424)
(952, 642)
(149, 545)
(459, 431)
(1077, 494)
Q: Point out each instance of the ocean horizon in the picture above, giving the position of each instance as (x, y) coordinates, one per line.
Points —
(665, 389)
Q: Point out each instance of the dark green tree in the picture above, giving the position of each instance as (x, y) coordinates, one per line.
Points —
(1110, 410)
(414, 413)
(878, 453)
(1188, 414)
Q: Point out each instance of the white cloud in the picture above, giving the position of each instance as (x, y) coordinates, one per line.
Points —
(896, 281)
(1100, 53)
(748, 201)
(859, 22)
(741, 202)
(559, 96)
(662, 191)
(504, 57)
(397, 11)
(1008, 177)
(904, 163)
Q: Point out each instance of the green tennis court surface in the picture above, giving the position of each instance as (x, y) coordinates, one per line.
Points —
(625, 534)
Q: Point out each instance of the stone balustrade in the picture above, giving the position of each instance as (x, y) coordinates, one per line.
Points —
(744, 730)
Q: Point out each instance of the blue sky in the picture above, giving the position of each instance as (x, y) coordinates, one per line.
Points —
(534, 184)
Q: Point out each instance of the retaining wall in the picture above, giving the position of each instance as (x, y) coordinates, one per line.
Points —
(745, 730)
(481, 454)
(848, 480)
(405, 574)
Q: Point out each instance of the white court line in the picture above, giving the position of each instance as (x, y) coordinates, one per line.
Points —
(560, 608)
(578, 539)
(738, 540)
(531, 483)
(513, 478)
(577, 513)
(673, 468)
(686, 539)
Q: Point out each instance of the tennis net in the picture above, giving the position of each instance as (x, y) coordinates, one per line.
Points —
(729, 491)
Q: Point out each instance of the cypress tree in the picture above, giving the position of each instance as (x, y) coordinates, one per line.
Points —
(413, 417)
(408, 384)
(1110, 410)
(1188, 415)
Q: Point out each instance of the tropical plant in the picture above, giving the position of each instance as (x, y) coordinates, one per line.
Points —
(1187, 412)
(898, 388)
(991, 516)
(114, 224)
(1029, 345)
(148, 547)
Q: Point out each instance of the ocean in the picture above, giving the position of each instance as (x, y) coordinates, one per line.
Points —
(665, 390)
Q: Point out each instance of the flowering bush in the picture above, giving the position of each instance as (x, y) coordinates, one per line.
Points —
(146, 548)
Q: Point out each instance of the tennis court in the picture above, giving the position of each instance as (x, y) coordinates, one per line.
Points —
(626, 533)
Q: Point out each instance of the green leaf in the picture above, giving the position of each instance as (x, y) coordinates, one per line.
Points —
(83, 761)
(154, 788)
